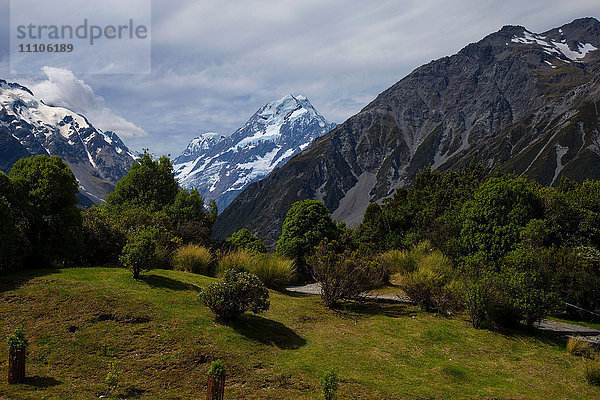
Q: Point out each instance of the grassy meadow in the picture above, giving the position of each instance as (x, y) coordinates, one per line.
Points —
(78, 320)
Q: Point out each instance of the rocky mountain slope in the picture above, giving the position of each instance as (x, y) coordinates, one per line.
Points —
(516, 100)
(29, 127)
(221, 167)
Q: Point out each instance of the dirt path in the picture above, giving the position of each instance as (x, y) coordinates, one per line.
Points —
(315, 289)
(569, 330)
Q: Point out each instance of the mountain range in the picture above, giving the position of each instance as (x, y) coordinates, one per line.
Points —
(28, 127)
(516, 101)
(220, 167)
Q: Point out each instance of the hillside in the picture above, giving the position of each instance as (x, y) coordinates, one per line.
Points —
(516, 100)
(77, 320)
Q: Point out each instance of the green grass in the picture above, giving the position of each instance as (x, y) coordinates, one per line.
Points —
(78, 320)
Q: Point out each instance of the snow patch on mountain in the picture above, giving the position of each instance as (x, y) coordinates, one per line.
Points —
(553, 47)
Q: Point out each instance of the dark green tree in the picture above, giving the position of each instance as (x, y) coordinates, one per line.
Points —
(192, 221)
(149, 184)
(244, 239)
(306, 224)
(7, 236)
(46, 191)
(492, 221)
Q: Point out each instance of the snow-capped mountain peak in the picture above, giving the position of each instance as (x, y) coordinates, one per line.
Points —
(28, 126)
(221, 168)
(203, 142)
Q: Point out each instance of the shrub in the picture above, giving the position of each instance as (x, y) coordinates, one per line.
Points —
(526, 285)
(103, 240)
(329, 382)
(113, 376)
(217, 369)
(237, 260)
(273, 270)
(243, 239)
(431, 285)
(7, 236)
(17, 341)
(139, 252)
(476, 298)
(577, 346)
(235, 294)
(591, 372)
(578, 274)
(344, 275)
(192, 258)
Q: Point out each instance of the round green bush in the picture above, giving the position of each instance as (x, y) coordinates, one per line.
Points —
(235, 294)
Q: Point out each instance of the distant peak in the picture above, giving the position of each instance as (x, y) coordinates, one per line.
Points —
(585, 21)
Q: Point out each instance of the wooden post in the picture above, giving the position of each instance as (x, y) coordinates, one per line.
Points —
(216, 387)
(16, 366)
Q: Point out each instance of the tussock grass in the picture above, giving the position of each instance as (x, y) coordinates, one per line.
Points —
(577, 346)
(237, 260)
(591, 372)
(406, 261)
(192, 258)
(273, 270)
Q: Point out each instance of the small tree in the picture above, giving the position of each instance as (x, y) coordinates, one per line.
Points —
(17, 346)
(492, 221)
(138, 253)
(329, 382)
(235, 294)
(244, 239)
(216, 381)
(306, 224)
(149, 183)
(113, 376)
(344, 275)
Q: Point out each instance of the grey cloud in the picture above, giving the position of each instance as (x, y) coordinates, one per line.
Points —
(215, 62)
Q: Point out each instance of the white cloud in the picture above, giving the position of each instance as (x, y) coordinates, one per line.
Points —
(62, 88)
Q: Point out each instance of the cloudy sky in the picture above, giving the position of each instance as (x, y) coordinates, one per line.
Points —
(214, 63)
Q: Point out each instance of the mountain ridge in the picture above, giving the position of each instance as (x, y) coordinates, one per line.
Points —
(494, 101)
(28, 126)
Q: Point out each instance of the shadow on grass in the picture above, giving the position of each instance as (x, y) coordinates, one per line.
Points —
(297, 294)
(394, 310)
(267, 331)
(41, 382)
(525, 332)
(167, 283)
(13, 280)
